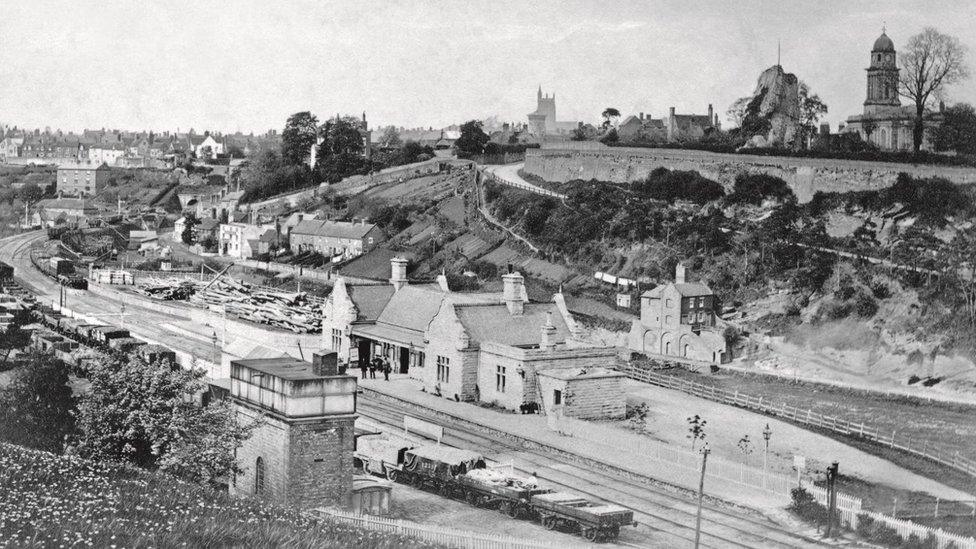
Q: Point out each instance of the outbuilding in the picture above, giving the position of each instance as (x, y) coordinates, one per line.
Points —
(584, 393)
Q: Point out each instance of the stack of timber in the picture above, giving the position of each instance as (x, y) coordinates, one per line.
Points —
(168, 289)
(290, 310)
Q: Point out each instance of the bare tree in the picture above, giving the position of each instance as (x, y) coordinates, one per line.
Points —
(931, 62)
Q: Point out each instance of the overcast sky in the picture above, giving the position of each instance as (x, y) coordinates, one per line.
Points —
(246, 65)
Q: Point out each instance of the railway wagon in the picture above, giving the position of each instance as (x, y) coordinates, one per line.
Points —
(379, 454)
(437, 467)
(594, 521)
(492, 488)
(6, 272)
(103, 335)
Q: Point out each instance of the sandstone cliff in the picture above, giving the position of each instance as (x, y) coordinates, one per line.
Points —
(776, 104)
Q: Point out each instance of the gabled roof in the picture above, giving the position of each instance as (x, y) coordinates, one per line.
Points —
(334, 229)
(685, 289)
(494, 323)
(208, 224)
(370, 300)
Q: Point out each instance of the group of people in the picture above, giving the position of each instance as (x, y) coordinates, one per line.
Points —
(378, 363)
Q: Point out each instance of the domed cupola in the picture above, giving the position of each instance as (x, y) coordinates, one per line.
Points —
(883, 44)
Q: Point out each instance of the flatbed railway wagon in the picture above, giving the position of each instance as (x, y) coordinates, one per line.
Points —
(594, 521)
(496, 489)
(437, 467)
(379, 454)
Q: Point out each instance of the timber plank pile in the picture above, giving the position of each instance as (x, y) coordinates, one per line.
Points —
(289, 310)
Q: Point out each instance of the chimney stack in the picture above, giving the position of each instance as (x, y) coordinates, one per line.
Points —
(398, 272)
(325, 363)
(672, 112)
(641, 117)
(512, 293)
(711, 115)
(679, 274)
(548, 340)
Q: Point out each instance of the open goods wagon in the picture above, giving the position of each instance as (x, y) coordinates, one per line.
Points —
(462, 474)
(594, 521)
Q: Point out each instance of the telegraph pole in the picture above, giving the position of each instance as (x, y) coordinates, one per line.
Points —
(701, 494)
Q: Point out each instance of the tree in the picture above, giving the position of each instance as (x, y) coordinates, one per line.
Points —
(412, 151)
(473, 139)
(14, 337)
(696, 429)
(745, 445)
(206, 152)
(957, 131)
(30, 193)
(811, 110)
(579, 134)
(610, 115)
(341, 152)
(390, 138)
(189, 221)
(737, 111)
(145, 413)
(300, 133)
(869, 126)
(930, 62)
(37, 407)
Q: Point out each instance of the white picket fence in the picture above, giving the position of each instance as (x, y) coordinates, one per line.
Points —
(437, 534)
(906, 528)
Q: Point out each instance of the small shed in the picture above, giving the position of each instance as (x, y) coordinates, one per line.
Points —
(584, 393)
(370, 496)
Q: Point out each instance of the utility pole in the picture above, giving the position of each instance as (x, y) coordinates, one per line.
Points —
(701, 494)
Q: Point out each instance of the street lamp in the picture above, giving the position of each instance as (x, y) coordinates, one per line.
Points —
(766, 433)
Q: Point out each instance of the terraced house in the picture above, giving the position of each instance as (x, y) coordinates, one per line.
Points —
(335, 238)
(82, 178)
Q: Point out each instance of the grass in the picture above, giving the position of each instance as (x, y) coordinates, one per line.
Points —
(64, 501)
(944, 425)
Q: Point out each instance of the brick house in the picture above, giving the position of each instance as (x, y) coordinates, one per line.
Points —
(680, 320)
(300, 453)
(81, 178)
(331, 238)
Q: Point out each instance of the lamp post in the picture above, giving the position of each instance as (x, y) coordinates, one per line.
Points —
(701, 493)
(766, 433)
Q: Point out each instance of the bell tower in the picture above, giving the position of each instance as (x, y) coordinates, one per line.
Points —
(882, 92)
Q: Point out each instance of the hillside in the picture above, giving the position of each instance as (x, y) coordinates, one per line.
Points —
(51, 501)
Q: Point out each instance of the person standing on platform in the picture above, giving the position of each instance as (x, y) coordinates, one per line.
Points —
(372, 367)
(386, 369)
(363, 366)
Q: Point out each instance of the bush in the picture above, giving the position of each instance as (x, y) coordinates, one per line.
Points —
(806, 507)
(757, 187)
(865, 306)
(667, 185)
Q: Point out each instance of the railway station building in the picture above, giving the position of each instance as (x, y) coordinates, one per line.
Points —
(485, 346)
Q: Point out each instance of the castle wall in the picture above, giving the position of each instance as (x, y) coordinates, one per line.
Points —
(805, 176)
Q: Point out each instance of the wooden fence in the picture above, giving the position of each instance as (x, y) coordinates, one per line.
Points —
(906, 528)
(438, 534)
(524, 186)
(862, 430)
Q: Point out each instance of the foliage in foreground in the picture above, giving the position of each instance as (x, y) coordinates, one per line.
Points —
(66, 501)
(145, 414)
(37, 408)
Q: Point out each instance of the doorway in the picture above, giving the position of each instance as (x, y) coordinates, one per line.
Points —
(363, 350)
(404, 360)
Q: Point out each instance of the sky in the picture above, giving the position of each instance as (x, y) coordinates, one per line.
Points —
(246, 65)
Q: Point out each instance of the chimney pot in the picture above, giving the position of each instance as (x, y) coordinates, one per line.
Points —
(512, 293)
(398, 272)
(679, 274)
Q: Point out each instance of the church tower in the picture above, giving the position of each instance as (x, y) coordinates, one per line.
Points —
(882, 77)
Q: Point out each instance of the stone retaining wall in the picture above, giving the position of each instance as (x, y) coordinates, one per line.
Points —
(804, 175)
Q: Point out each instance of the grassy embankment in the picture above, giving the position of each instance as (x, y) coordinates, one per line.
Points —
(64, 501)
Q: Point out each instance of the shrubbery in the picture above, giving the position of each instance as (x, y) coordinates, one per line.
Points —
(667, 185)
(754, 188)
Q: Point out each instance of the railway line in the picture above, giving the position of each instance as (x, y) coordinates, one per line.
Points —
(666, 514)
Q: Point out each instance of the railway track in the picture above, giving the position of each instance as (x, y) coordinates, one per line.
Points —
(663, 512)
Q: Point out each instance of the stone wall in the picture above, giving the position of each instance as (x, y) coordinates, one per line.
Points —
(306, 463)
(804, 175)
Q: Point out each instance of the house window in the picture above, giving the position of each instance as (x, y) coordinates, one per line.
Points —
(443, 369)
(557, 397)
(259, 476)
(668, 303)
(420, 359)
(336, 339)
(500, 379)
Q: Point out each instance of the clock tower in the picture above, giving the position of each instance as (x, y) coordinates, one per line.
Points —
(882, 77)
